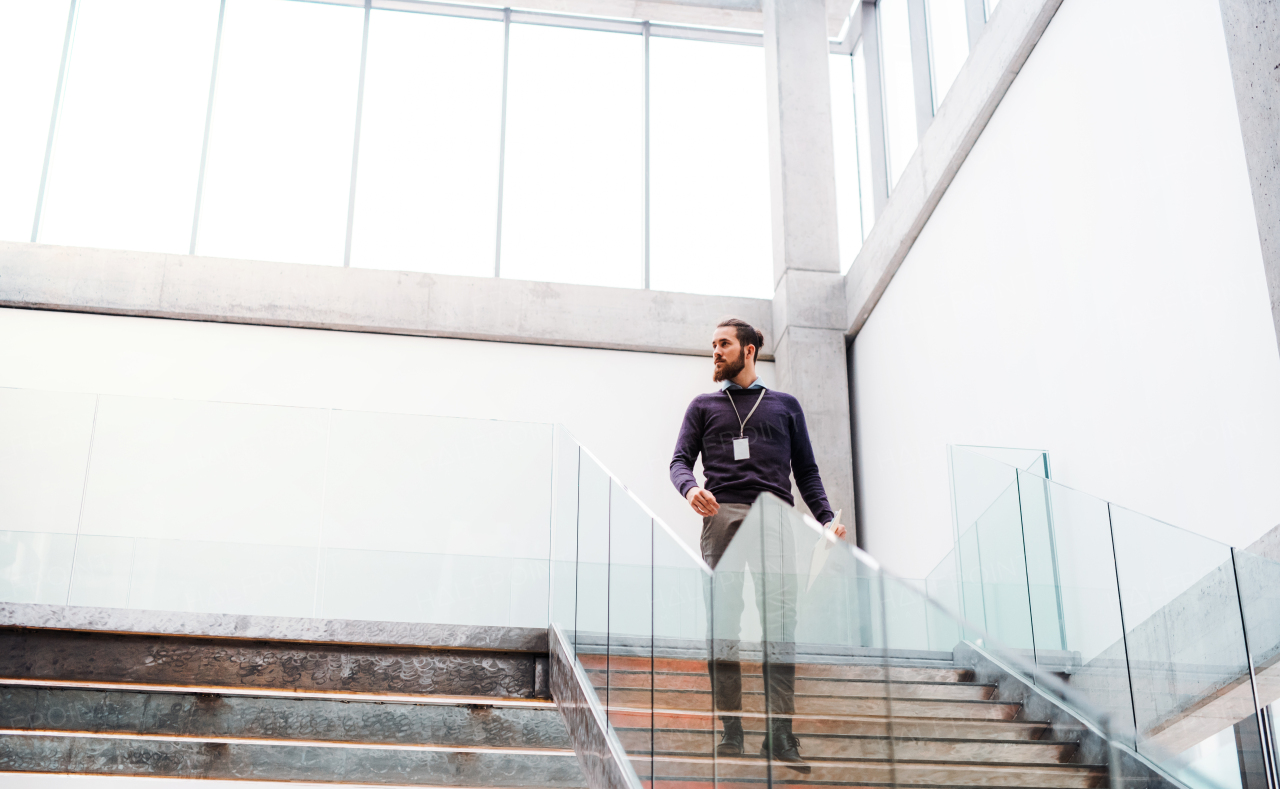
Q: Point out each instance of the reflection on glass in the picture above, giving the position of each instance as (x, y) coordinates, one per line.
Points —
(278, 177)
(573, 191)
(126, 162)
(45, 446)
(35, 567)
(845, 128)
(899, 90)
(866, 187)
(709, 169)
(564, 532)
(31, 36)
(630, 687)
(948, 45)
(1260, 600)
(427, 186)
(1193, 699)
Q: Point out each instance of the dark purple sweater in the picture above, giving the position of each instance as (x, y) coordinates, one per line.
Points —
(779, 442)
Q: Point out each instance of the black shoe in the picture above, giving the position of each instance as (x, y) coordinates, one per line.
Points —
(786, 748)
(731, 742)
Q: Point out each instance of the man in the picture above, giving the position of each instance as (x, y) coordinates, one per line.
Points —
(752, 440)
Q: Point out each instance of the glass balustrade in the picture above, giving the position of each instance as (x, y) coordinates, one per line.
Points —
(1167, 633)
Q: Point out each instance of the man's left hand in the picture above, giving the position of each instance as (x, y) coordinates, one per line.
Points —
(838, 529)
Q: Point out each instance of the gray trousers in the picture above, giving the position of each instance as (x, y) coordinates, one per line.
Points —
(773, 576)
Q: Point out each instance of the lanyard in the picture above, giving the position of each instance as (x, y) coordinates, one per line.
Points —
(742, 423)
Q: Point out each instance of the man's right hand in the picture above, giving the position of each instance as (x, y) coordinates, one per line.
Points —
(702, 502)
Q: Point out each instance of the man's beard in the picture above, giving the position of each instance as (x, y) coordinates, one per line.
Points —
(729, 370)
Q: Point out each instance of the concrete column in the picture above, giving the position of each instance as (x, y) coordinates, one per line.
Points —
(808, 296)
(1253, 45)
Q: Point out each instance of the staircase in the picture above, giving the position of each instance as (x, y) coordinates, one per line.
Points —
(132, 704)
(947, 729)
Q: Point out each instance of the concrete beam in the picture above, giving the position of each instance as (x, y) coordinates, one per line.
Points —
(807, 304)
(1007, 42)
(1253, 46)
(40, 276)
(733, 14)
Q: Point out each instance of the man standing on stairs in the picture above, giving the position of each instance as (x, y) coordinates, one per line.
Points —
(752, 439)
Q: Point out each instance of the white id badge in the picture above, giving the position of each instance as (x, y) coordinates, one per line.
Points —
(740, 449)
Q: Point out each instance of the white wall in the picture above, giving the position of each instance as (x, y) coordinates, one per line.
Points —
(1091, 284)
(625, 407)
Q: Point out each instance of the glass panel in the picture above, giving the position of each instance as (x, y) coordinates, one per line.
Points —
(278, 177)
(1190, 672)
(573, 192)
(866, 187)
(427, 187)
(1075, 604)
(899, 90)
(232, 473)
(630, 666)
(683, 726)
(405, 482)
(1003, 569)
(390, 586)
(31, 36)
(948, 45)
(564, 533)
(845, 130)
(45, 448)
(1260, 598)
(124, 171)
(823, 694)
(593, 570)
(35, 567)
(709, 169)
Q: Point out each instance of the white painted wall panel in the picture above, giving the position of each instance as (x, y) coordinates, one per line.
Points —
(1091, 284)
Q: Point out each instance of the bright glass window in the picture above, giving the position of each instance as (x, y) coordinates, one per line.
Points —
(278, 178)
(573, 197)
(127, 156)
(427, 185)
(862, 115)
(948, 45)
(31, 36)
(991, 7)
(845, 131)
(709, 169)
(899, 90)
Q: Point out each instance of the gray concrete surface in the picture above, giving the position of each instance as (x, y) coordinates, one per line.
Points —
(272, 628)
(1253, 45)
(76, 279)
(809, 349)
(1005, 45)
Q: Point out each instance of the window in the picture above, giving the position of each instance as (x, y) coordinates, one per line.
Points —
(278, 177)
(899, 91)
(845, 128)
(573, 192)
(709, 169)
(948, 45)
(127, 157)
(427, 183)
(31, 36)
(862, 115)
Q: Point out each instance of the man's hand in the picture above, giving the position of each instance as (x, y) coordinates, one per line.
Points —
(702, 502)
(838, 528)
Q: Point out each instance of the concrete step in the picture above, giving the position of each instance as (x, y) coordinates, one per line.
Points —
(691, 742)
(951, 728)
(636, 680)
(871, 671)
(373, 722)
(233, 664)
(820, 705)
(250, 761)
(876, 772)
